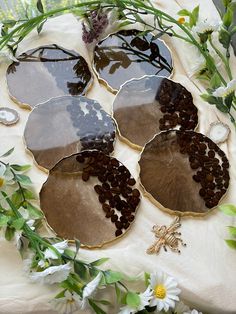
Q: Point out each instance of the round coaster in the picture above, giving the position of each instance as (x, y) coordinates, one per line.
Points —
(47, 72)
(8, 116)
(218, 132)
(66, 125)
(184, 172)
(90, 196)
(126, 55)
(144, 107)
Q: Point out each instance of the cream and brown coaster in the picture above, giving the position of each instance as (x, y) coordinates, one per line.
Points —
(46, 72)
(66, 125)
(144, 107)
(129, 54)
(184, 172)
(90, 196)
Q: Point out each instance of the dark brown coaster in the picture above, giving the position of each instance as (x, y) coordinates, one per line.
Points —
(90, 196)
(67, 125)
(184, 171)
(144, 107)
(47, 72)
(127, 54)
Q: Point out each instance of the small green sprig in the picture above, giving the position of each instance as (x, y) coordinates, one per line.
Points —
(230, 210)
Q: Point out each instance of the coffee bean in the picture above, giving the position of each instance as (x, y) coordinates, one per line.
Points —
(136, 193)
(102, 199)
(106, 208)
(118, 224)
(85, 176)
(98, 189)
(114, 218)
(118, 232)
(80, 158)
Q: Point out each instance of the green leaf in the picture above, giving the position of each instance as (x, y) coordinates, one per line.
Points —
(18, 223)
(133, 299)
(118, 294)
(103, 302)
(17, 198)
(228, 209)
(224, 38)
(100, 261)
(77, 245)
(69, 254)
(4, 220)
(9, 234)
(40, 26)
(184, 12)
(112, 276)
(9, 152)
(215, 81)
(195, 13)
(34, 212)
(40, 6)
(25, 180)
(228, 17)
(231, 244)
(209, 98)
(81, 270)
(232, 230)
(147, 278)
(20, 168)
(96, 308)
(9, 23)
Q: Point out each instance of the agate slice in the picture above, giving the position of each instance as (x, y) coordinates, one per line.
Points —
(67, 125)
(90, 196)
(8, 116)
(184, 171)
(126, 55)
(47, 72)
(144, 107)
(218, 132)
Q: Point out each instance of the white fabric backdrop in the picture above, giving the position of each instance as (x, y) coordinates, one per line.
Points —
(206, 268)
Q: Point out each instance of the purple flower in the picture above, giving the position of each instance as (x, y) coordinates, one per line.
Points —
(97, 22)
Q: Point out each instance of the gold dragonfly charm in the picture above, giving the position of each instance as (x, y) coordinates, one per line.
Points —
(167, 237)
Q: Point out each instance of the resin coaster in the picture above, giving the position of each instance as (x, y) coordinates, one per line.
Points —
(144, 107)
(67, 125)
(126, 55)
(184, 171)
(47, 72)
(90, 196)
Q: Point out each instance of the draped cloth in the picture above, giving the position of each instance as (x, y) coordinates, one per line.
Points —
(205, 269)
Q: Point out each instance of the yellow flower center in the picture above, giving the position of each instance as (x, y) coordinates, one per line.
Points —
(160, 292)
(1, 182)
(181, 20)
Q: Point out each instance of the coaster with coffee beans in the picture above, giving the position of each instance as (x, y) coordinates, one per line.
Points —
(144, 107)
(90, 196)
(185, 172)
(67, 125)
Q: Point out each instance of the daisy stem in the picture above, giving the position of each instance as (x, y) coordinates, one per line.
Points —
(224, 59)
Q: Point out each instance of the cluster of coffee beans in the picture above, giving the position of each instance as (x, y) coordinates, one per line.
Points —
(116, 194)
(96, 129)
(209, 163)
(177, 107)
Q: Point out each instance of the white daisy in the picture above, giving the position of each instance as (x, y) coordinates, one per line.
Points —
(52, 274)
(68, 304)
(192, 312)
(89, 290)
(145, 298)
(60, 246)
(18, 240)
(165, 291)
(6, 176)
(225, 91)
(206, 26)
(42, 263)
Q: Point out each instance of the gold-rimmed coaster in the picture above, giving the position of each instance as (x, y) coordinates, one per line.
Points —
(130, 54)
(144, 107)
(90, 196)
(66, 125)
(46, 72)
(184, 172)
